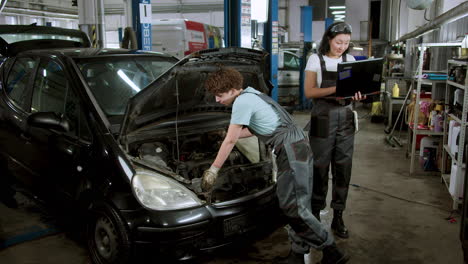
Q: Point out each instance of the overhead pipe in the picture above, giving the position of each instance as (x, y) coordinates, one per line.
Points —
(117, 9)
(39, 16)
(27, 11)
(458, 11)
(2, 4)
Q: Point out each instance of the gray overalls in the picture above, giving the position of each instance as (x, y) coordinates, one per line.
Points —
(294, 182)
(331, 137)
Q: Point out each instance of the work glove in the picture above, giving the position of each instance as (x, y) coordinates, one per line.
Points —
(209, 178)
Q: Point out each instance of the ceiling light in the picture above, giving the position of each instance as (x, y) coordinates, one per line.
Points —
(337, 7)
(338, 12)
(339, 17)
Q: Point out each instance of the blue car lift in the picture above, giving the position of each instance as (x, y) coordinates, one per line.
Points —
(306, 30)
(141, 18)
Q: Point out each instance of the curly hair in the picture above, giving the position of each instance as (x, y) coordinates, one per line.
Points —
(223, 80)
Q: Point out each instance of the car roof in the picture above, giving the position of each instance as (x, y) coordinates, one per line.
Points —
(17, 38)
(93, 52)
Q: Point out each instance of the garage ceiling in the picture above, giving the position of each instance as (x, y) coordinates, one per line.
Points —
(64, 7)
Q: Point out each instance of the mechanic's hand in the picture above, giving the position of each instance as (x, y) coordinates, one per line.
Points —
(209, 178)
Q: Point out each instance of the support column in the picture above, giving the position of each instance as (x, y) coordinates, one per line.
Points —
(306, 46)
(141, 23)
(270, 43)
(91, 21)
(232, 23)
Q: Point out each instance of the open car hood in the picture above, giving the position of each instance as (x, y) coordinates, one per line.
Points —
(18, 38)
(181, 89)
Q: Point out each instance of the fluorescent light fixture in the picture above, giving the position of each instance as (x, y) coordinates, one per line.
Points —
(127, 80)
(358, 48)
(259, 10)
(339, 17)
(338, 12)
(337, 7)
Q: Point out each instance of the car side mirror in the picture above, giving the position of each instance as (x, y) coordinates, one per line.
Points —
(281, 59)
(49, 120)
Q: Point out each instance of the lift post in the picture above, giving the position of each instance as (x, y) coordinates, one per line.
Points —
(271, 44)
(232, 23)
(141, 22)
(306, 46)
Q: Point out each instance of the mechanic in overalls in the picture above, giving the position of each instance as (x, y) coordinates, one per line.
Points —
(332, 126)
(255, 112)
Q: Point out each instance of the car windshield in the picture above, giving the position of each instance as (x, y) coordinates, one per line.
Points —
(114, 80)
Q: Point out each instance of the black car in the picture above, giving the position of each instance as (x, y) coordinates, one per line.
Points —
(122, 137)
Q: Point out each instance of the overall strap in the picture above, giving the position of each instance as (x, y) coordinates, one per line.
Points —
(323, 67)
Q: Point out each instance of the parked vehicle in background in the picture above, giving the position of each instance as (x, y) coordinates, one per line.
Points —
(120, 138)
(288, 78)
(181, 37)
(289, 69)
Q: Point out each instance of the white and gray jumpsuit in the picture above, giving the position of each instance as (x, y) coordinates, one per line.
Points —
(331, 137)
(294, 181)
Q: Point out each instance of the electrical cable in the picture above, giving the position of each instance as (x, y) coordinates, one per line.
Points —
(402, 199)
(425, 11)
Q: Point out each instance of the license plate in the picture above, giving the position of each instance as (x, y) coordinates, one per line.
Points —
(237, 225)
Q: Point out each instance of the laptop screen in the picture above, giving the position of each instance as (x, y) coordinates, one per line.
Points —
(364, 76)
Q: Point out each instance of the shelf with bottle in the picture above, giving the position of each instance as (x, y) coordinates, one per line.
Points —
(426, 131)
(455, 129)
(452, 155)
(460, 86)
(423, 76)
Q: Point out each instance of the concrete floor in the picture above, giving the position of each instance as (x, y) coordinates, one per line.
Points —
(392, 217)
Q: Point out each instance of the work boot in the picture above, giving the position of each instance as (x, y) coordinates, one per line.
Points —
(316, 213)
(292, 258)
(338, 226)
(333, 255)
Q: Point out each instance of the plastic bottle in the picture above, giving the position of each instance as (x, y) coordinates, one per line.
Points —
(395, 90)
(438, 122)
(464, 46)
(432, 119)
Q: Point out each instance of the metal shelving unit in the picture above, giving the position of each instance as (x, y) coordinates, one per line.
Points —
(462, 120)
(389, 101)
(414, 129)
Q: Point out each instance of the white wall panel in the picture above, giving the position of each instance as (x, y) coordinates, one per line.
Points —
(449, 4)
(356, 11)
(294, 14)
(318, 28)
(211, 18)
(113, 22)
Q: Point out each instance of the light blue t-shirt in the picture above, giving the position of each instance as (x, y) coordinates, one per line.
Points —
(250, 110)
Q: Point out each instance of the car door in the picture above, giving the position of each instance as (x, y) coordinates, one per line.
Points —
(17, 82)
(65, 153)
(288, 79)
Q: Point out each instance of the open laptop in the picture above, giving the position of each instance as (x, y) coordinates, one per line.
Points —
(363, 75)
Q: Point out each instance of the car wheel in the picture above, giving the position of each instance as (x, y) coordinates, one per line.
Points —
(107, 236)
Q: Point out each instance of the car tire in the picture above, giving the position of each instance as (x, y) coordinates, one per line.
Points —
(108, 238)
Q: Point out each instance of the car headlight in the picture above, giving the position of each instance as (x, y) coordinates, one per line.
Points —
(159, 192)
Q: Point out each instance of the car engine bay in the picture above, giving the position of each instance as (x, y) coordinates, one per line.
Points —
(247, 170)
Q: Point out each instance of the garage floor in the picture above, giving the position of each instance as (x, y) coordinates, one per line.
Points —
(392, 217)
